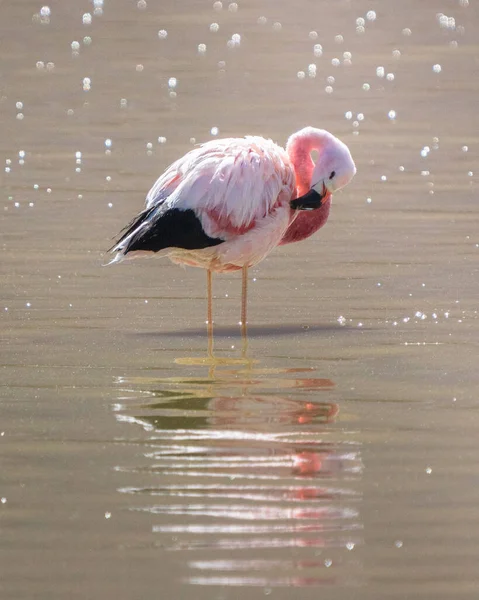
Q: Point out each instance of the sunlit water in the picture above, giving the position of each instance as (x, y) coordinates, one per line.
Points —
(336, 453)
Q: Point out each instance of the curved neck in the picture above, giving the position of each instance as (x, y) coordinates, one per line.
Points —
(299, 148)
(305, 223)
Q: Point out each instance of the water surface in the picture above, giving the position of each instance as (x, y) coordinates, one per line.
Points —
(337, 452)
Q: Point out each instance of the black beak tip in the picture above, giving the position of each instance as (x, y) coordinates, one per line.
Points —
(310, 201)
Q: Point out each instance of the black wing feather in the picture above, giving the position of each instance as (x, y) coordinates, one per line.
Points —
(168, 228)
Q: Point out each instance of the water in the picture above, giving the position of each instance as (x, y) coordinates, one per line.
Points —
(337, 452)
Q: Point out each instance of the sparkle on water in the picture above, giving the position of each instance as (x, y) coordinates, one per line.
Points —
(425, 151)
(446, 22)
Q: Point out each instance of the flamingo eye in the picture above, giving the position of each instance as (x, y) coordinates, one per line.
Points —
(333, 173)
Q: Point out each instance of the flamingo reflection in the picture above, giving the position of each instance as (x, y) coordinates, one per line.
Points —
(248, 459)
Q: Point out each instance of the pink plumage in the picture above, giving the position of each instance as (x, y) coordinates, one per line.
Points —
(228, 203)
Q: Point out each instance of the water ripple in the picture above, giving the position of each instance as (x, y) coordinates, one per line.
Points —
(247, 459)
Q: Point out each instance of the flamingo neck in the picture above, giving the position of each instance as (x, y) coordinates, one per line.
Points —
(305, 223)
(299, 148)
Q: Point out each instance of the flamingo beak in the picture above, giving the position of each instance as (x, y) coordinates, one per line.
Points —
(311, 200)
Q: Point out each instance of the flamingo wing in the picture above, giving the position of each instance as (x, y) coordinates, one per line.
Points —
(160, 227)
(213, 194)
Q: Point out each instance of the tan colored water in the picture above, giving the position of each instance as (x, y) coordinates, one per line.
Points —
(340, 458)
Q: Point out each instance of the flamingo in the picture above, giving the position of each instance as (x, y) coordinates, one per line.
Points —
(228, 203)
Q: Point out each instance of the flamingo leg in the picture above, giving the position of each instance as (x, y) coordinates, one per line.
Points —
(209, 277)
(244, 298)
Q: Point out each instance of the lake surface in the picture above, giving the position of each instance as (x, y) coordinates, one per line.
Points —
(335, 452)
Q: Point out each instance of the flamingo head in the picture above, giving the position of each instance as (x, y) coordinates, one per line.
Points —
(333, 170)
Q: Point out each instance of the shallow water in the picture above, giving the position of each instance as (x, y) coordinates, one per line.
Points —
(337, 451)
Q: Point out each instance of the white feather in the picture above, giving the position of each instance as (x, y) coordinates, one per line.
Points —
(238, 179)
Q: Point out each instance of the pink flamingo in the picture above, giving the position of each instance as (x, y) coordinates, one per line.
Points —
(226, 204)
